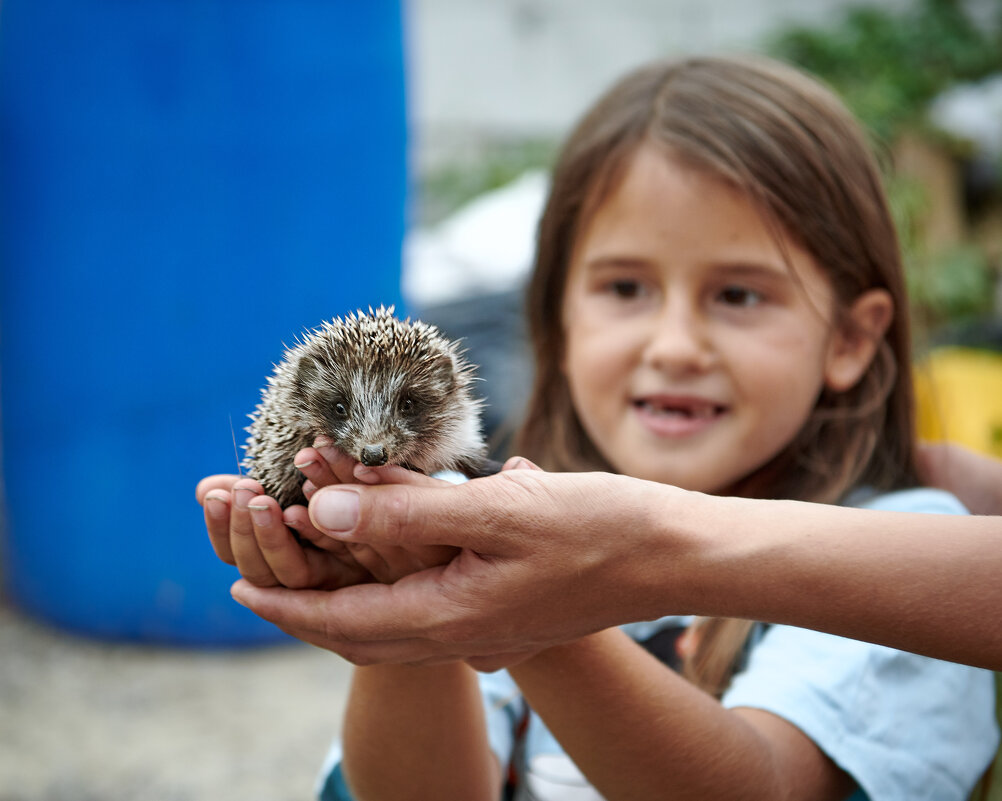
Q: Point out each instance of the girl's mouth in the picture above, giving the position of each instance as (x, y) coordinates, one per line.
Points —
(677, 416)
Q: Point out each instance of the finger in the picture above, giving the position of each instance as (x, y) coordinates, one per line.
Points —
(331, 563)
(413, 516)
(317, 470)
(220, 482)
(390, 564)
(314, 616)
(339, 463)
(243, 540)
(216, 508)
(362, 613)
(394, 474)
(372, 560)
(380, 515)
(398, 652)
(519, 463)
(278, 546)
(402, 562)
(298, 519)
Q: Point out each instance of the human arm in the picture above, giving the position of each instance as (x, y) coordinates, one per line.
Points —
(417, 733)
(637, 730)
(544, 561)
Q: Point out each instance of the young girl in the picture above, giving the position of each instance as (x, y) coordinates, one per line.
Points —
(718, 304)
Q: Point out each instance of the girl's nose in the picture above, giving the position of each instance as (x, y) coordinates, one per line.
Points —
(679, 341)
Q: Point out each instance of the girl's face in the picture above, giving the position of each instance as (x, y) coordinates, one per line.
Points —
(693, 352)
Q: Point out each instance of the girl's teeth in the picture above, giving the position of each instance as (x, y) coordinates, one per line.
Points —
(698, 412)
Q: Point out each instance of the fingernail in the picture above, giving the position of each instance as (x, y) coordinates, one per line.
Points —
(216, 507)
(335, 512)
(242, 497)
(260, 515)
(301, 465)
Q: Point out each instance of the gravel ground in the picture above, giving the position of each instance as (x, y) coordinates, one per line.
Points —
(84, 720)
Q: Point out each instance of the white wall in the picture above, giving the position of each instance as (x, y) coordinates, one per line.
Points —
(516, 68)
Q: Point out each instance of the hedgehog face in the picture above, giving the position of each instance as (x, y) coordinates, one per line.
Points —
(382, 390)
(376, 411)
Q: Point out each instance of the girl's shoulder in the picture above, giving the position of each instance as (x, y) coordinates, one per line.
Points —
(915, 499)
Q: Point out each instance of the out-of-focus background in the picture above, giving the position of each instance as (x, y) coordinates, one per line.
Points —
(185, 185)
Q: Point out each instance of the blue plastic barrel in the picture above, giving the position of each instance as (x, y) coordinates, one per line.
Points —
(184, 186)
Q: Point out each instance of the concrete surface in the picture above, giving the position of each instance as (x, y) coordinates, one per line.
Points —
(83, 720)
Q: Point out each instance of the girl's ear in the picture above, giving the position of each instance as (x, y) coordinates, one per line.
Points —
(856, 340)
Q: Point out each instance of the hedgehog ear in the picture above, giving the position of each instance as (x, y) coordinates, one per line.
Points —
(444, 370)
(307, 372)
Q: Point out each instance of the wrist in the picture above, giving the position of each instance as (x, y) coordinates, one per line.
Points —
(702, 549)
(682, 542)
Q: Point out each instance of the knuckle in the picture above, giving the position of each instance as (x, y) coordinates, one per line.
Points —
(297, 580)
(260, 579)
(390, 519)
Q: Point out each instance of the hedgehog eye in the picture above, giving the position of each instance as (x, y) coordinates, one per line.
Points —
(406, 405)
(341, 410)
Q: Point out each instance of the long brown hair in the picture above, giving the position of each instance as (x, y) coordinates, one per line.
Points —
(790, 145)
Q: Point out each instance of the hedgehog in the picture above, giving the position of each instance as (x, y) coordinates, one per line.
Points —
(383, 390)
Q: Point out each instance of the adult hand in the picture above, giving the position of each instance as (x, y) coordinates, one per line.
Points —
(544, 560)
(249, 530)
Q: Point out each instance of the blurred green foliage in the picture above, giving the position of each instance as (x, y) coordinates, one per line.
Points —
(948, 286)
(443, 190)
(888, 66)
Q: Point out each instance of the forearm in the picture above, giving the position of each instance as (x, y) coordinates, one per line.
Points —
(639, 731)
(418, 733)
(918, 582)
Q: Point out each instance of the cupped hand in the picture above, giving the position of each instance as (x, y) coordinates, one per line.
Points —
(326, 466)
(389, 562)
(271, 547)
(545, 558)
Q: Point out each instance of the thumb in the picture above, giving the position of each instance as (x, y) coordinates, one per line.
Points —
(394, 515)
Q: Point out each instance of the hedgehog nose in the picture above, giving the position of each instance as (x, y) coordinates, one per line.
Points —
(374, 455)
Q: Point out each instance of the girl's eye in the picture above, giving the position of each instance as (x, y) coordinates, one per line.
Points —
(625, 289)
(740, 296)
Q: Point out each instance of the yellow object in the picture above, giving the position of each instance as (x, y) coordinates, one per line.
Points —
(958, 392)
